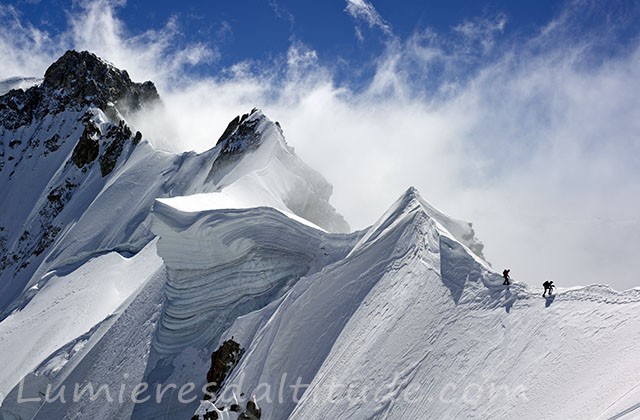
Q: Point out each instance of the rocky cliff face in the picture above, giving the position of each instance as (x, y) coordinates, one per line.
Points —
(85, 79)
(52, 135)
(223, 360)
(78, 82)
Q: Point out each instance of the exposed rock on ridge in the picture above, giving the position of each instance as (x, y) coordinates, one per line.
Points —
(85, 78)
(75, 80)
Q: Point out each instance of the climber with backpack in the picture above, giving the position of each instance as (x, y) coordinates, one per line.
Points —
(548, 286)
(505, 274)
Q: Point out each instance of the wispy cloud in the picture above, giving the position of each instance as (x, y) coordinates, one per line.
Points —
(283, 13)
(25, 50)
(481, 32)
(93, 26)
(533, 139)
(361, 10)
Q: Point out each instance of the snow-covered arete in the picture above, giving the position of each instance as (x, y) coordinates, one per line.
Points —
(412, 324)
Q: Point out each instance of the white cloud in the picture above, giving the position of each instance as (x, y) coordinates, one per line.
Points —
(23, 47)
(93, 26)
(361, 10)
(481, 32)
(537, 143)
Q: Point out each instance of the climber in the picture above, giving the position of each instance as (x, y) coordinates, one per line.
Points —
(505, 274)
(548, 285)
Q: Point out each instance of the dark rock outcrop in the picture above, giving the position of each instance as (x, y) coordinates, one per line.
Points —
(253, 412)
(87, 149)
(19, 108)
(223, 361)
(240, 137)
(86, 78)
(52, 144)
(116, 137)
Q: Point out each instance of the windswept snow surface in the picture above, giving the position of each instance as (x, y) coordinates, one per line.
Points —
(74, 221)
(222, 259)
(67, 307)
(56, 214)
(412, 324)
(112, 356)
(222, 264)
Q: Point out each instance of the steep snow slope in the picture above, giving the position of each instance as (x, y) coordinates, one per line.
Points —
(221, 264)
(77, 301)
(111, 355)
(66, 200)
(255, 162)
(412, 324)
(67, 157)
(238, 260)
(60, 142)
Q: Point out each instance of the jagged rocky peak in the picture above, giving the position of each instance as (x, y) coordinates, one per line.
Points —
(77, 80)
(243, 134)
(85, 77)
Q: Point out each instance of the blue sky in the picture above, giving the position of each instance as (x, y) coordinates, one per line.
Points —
(520, 116)
(262, 29)
(348, 37)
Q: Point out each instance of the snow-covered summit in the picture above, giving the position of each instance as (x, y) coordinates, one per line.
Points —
(68, 156)
(412, 202)
(254, 166)
(413, 324)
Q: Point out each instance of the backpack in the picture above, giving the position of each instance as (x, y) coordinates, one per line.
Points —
(546, 284)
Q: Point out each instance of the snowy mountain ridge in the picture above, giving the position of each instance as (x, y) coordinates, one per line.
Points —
(412, 324)
(151, 276)
(60, 139)
(73, 135)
